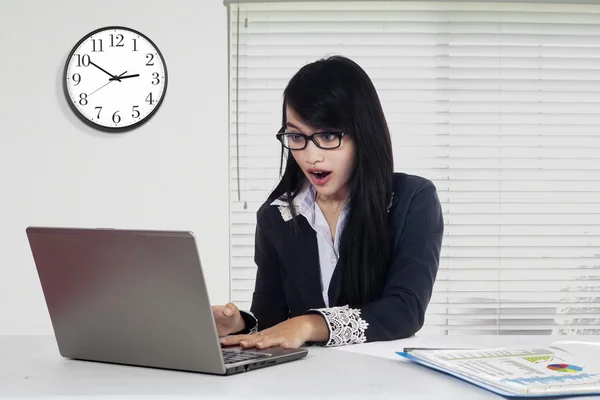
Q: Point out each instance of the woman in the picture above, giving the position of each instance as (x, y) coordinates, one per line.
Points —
(347, 250)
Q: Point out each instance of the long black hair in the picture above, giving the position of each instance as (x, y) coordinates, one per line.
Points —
(336, 92)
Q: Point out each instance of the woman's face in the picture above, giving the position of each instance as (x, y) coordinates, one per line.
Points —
(328, 170)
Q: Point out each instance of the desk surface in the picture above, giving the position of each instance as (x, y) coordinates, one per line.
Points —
(31, 366)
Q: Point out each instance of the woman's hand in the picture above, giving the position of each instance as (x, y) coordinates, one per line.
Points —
(228, 319)
(292, 333)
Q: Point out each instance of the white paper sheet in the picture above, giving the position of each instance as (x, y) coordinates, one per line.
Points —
(562, 368)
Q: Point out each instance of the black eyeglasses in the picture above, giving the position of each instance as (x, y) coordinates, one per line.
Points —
(299, 141)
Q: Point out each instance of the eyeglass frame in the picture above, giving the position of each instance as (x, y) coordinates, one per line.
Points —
(307, 138)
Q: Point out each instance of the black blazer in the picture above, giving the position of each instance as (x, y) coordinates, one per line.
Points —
(288, 280)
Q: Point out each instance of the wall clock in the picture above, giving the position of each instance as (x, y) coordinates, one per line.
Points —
(115, 79)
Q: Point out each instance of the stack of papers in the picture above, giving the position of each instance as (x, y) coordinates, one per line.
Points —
(563, 368)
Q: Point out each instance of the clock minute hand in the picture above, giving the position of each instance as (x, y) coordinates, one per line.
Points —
(102, 69)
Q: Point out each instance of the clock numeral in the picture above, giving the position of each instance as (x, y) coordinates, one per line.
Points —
(99, 46)
(149, 99)
(155, 81)
(99, 109)
(77, 79)
(135, 44)
(83, 99)
(119, 38)
(83, 61)
(136, 113)
(116, 117)
(150, 62)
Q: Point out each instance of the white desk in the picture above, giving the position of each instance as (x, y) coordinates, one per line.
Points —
(31, 367)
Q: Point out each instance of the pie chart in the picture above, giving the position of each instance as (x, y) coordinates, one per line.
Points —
(564, 368)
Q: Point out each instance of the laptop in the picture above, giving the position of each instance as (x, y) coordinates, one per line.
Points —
(136, 297)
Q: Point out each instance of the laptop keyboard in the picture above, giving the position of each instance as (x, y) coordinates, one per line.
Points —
(232, 356)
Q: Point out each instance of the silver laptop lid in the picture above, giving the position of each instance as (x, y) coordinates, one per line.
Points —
(125, 296)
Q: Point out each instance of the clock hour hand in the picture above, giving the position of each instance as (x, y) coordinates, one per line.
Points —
(118, 78)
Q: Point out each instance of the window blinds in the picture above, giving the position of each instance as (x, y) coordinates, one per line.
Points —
(497, 103)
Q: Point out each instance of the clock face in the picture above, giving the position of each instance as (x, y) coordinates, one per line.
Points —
(115, 78)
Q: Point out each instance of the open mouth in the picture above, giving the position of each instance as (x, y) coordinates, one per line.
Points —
(321, 174)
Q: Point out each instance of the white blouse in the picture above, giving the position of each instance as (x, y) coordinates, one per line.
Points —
(306, 205)
(345, 324)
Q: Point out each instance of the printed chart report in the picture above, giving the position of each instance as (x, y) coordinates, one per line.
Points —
(535, 372)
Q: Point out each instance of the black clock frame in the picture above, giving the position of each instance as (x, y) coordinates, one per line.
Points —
(102, 127)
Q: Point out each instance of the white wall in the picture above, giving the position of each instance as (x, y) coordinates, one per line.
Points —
(172, 173)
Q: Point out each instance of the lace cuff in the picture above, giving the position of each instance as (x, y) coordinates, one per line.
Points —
(345, 325)
(250, 321)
